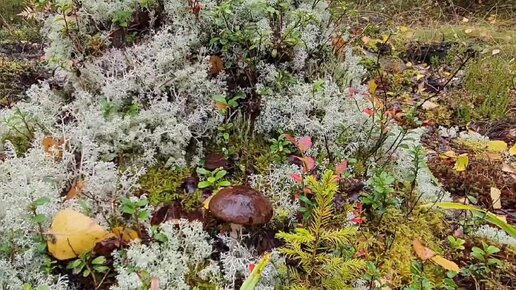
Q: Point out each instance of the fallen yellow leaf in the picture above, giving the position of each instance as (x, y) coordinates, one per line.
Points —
(72, 234)
(496, 146)
(495, 197)
(422, 252)
(206, 202)
(462, 162)
(449, 154)
(445, 263)
(125, 234)
(372, 87)
(512, 151)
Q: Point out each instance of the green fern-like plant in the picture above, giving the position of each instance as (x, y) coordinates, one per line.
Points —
(317, 247)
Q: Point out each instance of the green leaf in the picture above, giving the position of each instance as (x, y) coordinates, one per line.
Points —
(142, 203)
(203, 171)
(212, 179)
(143, 215)
(41, 201)
(204, 184)
(256, 275)
(492, 250)
(225, 183)
(478, 256)
(478, 250)
(86, 273)
(100, 260)
(39, 218)
(73, 264)
(100, 269)
(128, 209)
(220, 174)
(220, 99)
(489, 217)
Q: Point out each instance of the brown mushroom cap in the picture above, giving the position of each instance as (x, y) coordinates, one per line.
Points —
(241, 205)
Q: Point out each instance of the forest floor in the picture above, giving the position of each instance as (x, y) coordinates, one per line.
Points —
(449, 69)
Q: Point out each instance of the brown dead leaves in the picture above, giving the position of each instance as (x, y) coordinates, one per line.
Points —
(425, 253)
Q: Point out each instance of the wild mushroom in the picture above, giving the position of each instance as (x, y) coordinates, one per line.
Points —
(240, 206)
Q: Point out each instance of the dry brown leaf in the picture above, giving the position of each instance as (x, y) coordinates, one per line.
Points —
(422, 252)
(495, 197)
(492, 156)
(445, 263)
(217, 65)
(53, 147)
(429, 105)
(339, 44)
(76, 189)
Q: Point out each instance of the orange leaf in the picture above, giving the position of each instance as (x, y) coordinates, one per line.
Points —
(445, 263)
(53, 147)
(221, 106)
(422, 252)
(216, 65)
(125, 234)
(76, 189)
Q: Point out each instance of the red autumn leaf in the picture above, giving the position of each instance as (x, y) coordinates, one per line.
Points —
(290, 138)
(251, 267)
(308, 162)
(307, 191)
(369, 111)
(358, 220)
(296, 177)
(296, 196)
(305, 143)
(341, 167)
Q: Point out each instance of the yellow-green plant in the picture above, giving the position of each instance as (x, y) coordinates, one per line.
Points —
(319, 247)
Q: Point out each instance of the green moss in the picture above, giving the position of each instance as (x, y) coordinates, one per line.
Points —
(163, 184)
(391, 243)
(490, 80)
(16, 75)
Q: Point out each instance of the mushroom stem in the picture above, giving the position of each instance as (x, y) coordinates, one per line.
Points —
(236, 231)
